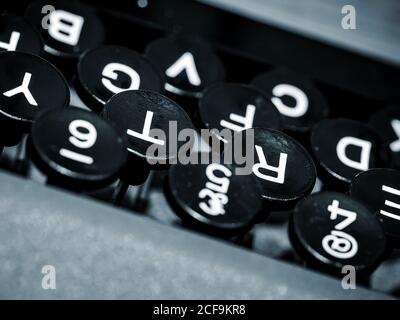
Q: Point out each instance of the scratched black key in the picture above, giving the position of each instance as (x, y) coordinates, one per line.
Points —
(386, 123)
(151, 123)
(68, 28)
(108, 70)
(18, 35)
(237, 107)
(330, 230)
(28, 85)
(76, 149)
(283, 167)
(296, 97)
(379, 189)
(213, 197)
(343, 148)
(189, 66)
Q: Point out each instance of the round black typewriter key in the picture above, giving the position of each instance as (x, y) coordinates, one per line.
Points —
(28, 85)
(76, 149)
(68, 28)
(379, 190)
(330, 230)
(298, 100)
(18, 35)
(213, 197)
(387, 124)
(189, 66)
(237, 107)
(343, 148)
(108, 70)
(151, 122)
(283, 167)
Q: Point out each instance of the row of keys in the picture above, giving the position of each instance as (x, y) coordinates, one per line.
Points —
(19, 104)
(210, 197)
(105, 71)
(36, 85)
(187, 66)
(78, 150)
(342, 148)
(82, 150)
(328, 230)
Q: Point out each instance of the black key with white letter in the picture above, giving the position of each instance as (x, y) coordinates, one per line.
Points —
(296, 97)
(147, 119)
(29, 84)
(213, 198)
(386, 123)
(67, 27)
(343, 148)
(379, 189)
(237, 107)
(189, 66)
(283, 167)
(330, 230)
(18, 35)
(76, 149)
(108, 70)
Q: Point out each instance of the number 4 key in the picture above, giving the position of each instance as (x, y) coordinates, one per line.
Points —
(330, 230)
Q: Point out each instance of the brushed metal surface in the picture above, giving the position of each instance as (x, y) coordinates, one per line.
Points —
(105, 253)
(378, 22)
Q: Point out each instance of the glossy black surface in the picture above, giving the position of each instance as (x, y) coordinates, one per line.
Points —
(129, 110)
(296, 118)
(76, 147)
(330, 239)
(222, 104)
(213, 197)
(43, 81)
(246, 48)
(367, 150)
(90, 33)
(96, 85)
(283, 154)
(379, 189)
(167, 52)
(18, 35)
